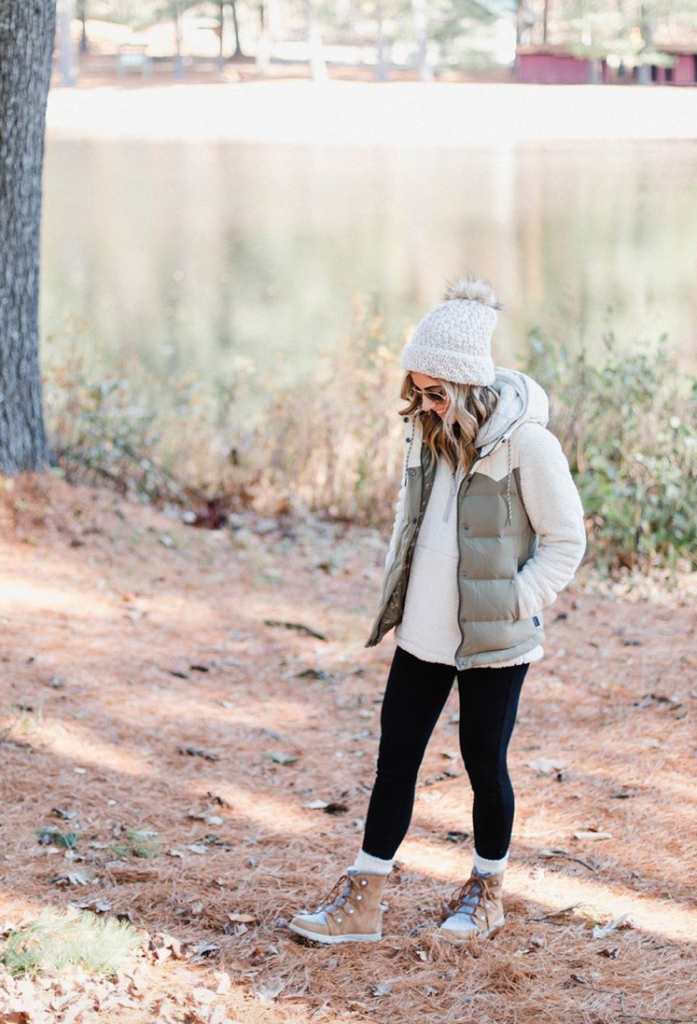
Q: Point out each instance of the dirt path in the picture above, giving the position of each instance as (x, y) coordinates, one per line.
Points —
(129, 639)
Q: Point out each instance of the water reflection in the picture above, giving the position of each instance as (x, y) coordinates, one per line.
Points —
(196, 254)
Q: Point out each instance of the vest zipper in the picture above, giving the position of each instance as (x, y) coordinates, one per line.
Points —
(457, 528)
(450, 497)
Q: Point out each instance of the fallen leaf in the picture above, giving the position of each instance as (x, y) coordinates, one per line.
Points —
(268, 991)
(335, 808)
(380, 990)
(590, 835)
(243, 918)
(99, 906)
(546, 765)
(273, 755)
(223, 982)
(203, 995)
(220, 800)
(602, 931)
(198, 752)
(202, 950)
(71, 878)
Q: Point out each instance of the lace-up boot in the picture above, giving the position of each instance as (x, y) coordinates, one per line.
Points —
(350, 912)
(475, 910)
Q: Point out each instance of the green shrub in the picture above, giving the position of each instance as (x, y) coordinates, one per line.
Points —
(628, 424)
(332, 443)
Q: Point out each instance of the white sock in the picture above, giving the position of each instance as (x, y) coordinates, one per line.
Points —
(365, 862)
(493, 867)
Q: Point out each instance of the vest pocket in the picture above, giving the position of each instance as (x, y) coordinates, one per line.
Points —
(515, 602)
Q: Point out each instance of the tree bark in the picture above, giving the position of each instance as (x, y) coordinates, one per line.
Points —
(421, 33)
(238, 48)
(26, 46)
(221, 41)
(318, 68)
(380, 68)
(84, 42)
(178, 59)
(66, 58)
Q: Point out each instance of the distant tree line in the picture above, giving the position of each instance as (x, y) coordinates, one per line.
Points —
(430, 31)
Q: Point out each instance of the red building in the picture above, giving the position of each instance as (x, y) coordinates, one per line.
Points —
(683, 72)
(555, 64)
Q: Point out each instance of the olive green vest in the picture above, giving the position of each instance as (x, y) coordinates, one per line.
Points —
(495, 539)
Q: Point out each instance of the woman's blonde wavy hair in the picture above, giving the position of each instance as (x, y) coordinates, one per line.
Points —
(452, 437)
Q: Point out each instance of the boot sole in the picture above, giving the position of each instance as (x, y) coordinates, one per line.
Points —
(454, 936)
(330, 940)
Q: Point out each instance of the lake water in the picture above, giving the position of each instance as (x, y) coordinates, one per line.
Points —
(194, 255)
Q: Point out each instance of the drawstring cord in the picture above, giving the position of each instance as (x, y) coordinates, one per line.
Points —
(508, 483)
(509, 515)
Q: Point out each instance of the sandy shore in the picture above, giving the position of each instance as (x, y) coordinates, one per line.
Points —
(357, 113)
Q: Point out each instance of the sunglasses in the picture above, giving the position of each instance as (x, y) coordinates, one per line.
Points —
(437, 397)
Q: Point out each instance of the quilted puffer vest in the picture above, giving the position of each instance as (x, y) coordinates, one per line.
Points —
(495, 539)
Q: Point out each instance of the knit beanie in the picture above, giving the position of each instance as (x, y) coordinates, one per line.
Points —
(453, 341)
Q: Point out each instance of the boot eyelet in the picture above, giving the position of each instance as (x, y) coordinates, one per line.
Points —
(350, 911)
(359, 896)
(364, 881)
(338, 920)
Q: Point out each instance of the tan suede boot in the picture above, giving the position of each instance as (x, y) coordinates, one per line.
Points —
(475, 910)
(350, 912)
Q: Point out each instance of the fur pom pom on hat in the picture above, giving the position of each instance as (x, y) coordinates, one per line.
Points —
(453, 341)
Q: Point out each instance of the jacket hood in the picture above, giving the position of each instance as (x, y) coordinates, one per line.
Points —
(521, 400)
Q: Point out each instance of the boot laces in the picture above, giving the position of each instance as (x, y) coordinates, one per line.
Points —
(466, 897)
(337, 895)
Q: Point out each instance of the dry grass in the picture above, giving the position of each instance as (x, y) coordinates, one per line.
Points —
(102, 599)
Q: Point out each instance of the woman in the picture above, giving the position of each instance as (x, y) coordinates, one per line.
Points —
(488, 529)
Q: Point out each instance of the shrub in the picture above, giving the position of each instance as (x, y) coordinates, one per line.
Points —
(628, 424)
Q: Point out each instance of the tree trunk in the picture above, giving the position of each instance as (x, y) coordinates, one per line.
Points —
(418, 8)
(380, 68)
(238, 48)
(84, 42)
(26, 46)
(317, 66)
(644, 70)
(221, 42)
(178, 59)
(65, 43)
(263, 59)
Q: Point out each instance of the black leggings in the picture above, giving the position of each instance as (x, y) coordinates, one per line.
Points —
(415, 695)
